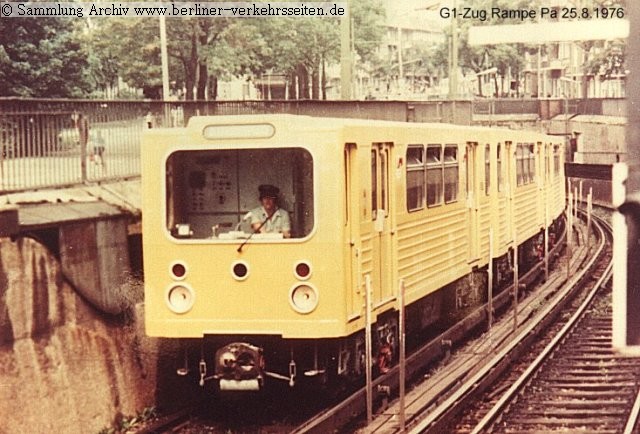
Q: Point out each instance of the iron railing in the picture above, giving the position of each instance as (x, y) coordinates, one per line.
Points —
(48, 143)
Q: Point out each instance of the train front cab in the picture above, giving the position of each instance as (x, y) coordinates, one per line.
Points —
(263, 300)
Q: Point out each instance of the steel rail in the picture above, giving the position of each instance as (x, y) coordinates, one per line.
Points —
(632, 421)
(509, 395)
(355, 404)
(471, 385)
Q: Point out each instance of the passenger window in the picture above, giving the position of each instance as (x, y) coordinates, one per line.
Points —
(451, 174)
(499, 167)
(487, 169)
(556, 160)
(547, 163)
(384, 179)
(434, 175)
(520, 161)
(415, 177)
(374, 184)
(532, 163)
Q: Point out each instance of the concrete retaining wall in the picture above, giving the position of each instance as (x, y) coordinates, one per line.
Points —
(64, 367)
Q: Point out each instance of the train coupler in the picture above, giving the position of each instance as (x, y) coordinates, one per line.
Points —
(240, 366)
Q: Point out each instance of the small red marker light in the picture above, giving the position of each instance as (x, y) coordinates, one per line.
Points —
(240, 270)
(178, 270)
(302, 270)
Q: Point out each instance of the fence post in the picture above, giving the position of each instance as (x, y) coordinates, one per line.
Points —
(368, 347)
(402, 362)
(82, 125)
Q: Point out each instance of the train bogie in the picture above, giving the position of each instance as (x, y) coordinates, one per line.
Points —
(263, 235)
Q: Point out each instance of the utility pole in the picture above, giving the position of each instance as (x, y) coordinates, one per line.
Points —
(453, 66)
(165, 58)
(345, 55)
(400, 67)
(165, 71)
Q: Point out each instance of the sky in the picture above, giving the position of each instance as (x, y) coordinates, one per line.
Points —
(412, 13)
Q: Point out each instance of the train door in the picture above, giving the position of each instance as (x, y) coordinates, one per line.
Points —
(352, 206)
(540, 180)
(510, 185)
(471, 169)
(382, 216)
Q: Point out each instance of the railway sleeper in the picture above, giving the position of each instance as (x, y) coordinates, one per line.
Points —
(588, 370)
(574, 403)
(577, 385)
(596, 374)
(558, 412)
(581, 421)
(595, 365)
(579, 394)
(574, 430)
(588, 357)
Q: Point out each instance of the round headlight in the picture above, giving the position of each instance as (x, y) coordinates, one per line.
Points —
(180, 298)
(303, 298)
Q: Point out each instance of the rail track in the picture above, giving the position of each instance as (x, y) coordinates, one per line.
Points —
(472, 370)
(276, 411)
(439, 402)
(576, 384)
(498, 388)
(570, 382)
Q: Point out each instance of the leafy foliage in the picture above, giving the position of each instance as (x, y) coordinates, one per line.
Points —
(48, 57)
(42, 57)
(605, 58)
(610, 61)
(506, 58)
(368, 22)
(128, 48)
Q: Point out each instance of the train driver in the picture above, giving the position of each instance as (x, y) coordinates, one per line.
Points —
(269, 218)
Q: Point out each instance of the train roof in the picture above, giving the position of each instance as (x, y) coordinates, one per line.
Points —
(315, 123)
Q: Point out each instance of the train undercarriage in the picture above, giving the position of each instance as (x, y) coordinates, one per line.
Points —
(250, 363)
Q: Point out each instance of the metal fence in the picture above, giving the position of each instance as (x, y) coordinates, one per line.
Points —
(45, 143)
(548, 108)
(53, 143)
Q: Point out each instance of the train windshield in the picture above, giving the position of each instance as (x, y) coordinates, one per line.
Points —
(216, 194)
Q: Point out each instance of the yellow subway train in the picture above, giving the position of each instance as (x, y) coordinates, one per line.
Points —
(262, 234)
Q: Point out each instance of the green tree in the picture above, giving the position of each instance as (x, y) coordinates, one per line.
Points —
(610, 61)
(600, 57)
(136, 58)
(508, 59)
(202, 50)
(301, 48)
(368, 27)
(128, 48)
(43, 58)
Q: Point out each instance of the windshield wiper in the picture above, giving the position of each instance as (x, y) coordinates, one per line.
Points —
(257, 230)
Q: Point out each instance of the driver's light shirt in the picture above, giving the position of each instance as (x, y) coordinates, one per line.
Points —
(278, 223)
